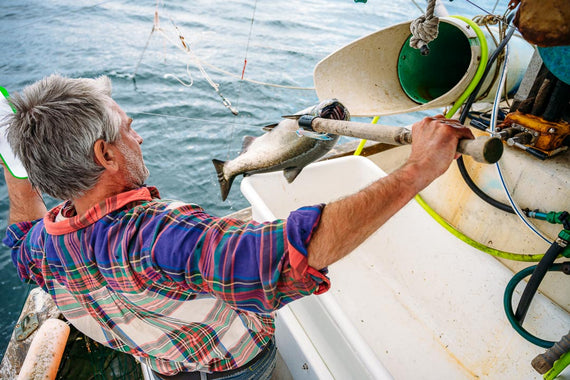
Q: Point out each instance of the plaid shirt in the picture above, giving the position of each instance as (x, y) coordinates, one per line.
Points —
(166, 282)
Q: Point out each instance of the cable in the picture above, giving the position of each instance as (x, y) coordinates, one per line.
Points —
(492, 123)
(465, 112)
(248, 39)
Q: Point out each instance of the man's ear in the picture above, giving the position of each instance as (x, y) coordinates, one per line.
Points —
(106, 155)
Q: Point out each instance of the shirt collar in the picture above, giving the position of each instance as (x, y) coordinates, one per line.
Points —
(76, 222)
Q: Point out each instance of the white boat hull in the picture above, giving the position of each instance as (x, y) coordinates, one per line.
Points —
(424, 303)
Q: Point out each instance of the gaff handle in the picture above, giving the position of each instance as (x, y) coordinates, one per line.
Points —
(484, 149)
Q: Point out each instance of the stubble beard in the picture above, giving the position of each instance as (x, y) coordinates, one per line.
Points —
(136, 172)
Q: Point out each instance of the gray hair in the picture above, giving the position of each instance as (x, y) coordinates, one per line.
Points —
(56, 124)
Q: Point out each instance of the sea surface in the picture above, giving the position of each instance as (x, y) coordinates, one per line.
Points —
(185, 126)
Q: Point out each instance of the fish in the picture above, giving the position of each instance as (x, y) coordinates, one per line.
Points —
(284, 147)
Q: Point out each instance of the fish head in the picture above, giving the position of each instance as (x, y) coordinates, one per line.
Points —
(331, 109)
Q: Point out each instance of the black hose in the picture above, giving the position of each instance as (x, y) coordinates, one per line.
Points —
(480, 193)
(508, 306)
(535, 279)
(465, 112)
(471, 99)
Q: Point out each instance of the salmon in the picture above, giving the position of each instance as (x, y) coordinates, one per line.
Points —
(283, 147)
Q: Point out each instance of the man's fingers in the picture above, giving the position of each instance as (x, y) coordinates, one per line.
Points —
(465, 133)
(460, 130)
(451, 122)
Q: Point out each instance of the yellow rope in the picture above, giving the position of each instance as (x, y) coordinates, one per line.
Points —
(358, 150)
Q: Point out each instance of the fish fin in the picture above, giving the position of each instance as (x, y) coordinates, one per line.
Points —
(292, 117)
(269, 128)
(247, 141)
(291, 173)
(225, 183)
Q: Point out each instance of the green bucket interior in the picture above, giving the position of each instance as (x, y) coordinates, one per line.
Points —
(427, 77)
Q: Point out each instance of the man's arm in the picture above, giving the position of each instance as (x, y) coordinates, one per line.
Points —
(25, 202)
(346, 223)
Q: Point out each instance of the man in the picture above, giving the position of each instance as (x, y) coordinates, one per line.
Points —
(185, 292)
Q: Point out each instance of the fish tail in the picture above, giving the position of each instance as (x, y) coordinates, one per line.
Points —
(225, 183)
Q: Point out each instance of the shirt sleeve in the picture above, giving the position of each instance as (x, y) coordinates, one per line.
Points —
(253, 266)
(19, 238)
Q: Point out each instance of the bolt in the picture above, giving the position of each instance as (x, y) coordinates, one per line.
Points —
(552, 130)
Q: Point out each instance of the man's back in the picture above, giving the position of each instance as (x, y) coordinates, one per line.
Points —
(143, 276)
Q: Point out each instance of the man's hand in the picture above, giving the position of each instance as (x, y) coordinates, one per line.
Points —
(346, 223)
(26, 203)
(434, 145)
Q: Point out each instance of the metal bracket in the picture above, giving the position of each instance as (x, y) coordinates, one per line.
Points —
(306, 121)
(26, 326)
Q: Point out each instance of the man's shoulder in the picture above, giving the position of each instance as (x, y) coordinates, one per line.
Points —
(156, 208)
(171, 204)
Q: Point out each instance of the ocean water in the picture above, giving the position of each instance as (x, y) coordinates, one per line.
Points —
(185, 126)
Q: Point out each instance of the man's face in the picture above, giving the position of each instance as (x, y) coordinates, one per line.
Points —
(134, 170)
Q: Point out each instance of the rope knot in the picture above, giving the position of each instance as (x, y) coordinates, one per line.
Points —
(424, 29)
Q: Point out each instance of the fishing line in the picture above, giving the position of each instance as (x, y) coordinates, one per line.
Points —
(141, 57)
(232, 129)
(418, 6)
(248, 39)
(185, 47)
(185, 118)
(313, 52)
(477, 6)
(180, 80)
(256, 81)
(230, 74)
(194, 58)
